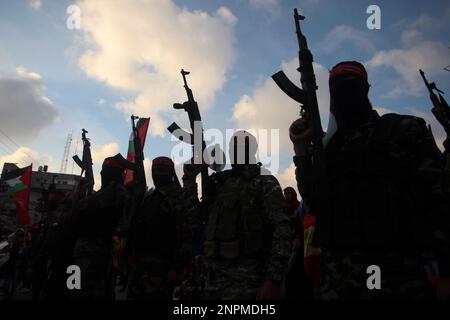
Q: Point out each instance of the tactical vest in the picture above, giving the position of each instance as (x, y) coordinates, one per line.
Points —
(98, 215)
(161, 228)
(236, 224)
(377, 198)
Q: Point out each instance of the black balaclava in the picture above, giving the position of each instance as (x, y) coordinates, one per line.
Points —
(163, 171)
(349, 101)
(112, 171)
(242, 149)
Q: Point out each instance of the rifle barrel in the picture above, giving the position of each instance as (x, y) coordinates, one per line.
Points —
(424, 79)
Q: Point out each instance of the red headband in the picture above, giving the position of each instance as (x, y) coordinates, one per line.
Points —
(348, 69)
(290, 189)
(163, 161)
(112, 163)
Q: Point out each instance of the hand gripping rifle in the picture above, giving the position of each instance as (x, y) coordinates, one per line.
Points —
(307, 97)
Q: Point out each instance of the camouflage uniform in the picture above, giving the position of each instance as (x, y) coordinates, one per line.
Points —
(95, 220)
(162, 242)
(388, 206)
(162, 236)
(50, 252)
(58, 249)
(247, 237)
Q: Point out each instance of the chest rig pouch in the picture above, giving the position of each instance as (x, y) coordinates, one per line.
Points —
(236, 220)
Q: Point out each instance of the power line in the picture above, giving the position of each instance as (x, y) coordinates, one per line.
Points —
(7, 148)
(5, 152)
(33, 160)
(18, 147)
(9, 154)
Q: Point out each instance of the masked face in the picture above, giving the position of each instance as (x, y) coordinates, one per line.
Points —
(349, 103)
(160, 180)
(162, 174)
(110, 175)
(289, 196)
(242, 149)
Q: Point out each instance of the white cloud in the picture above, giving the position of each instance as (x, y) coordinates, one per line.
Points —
(413, 30)
(381, 110)
(343, 35)
(410, 36)
(34, 4)
(23, 73)
(101, 102)
(97, 180)
(227, 15)
(269, 108)
(100, 152)
(24, 156)
(429, 56)
(287, 178)
(140, 48)
(414, 52)
(24, 108)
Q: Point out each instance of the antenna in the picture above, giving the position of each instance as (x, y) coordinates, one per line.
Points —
(65, 157)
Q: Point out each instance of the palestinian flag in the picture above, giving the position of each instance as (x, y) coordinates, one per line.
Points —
(19, 181)
(141, 128)
(311, 254)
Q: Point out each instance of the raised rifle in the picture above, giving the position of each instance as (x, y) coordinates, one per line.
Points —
(139, 171)
(85, 164)
(307, 97)
(195, 120)
(441, 109)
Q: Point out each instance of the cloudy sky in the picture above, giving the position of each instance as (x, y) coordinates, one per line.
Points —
(127, 55)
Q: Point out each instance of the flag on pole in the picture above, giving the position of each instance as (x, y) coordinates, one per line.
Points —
(19, 181)
(141, 128)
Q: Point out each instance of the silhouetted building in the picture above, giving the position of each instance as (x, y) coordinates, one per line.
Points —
(40, 180)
